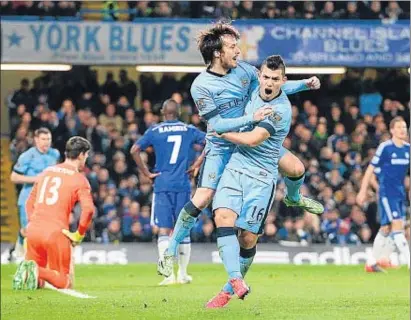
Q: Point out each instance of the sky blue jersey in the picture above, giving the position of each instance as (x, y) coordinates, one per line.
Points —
(221, 99)
(173, 143)
(392, 163)
(262, 160)
(31, 163)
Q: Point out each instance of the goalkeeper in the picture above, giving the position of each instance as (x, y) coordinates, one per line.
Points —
(49, 242)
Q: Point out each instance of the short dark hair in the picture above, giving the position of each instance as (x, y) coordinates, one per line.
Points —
(274, 62)
(171, 107)
(42, 130)
(75, 146)
(395, 120)
(209, 40)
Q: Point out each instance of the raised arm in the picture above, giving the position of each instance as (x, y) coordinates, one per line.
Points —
(294, 86)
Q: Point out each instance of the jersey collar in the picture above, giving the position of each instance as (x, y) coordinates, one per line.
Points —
(217, 74)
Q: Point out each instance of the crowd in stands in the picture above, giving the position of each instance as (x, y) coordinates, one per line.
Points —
(40, 8)
(387, 10)
(335, 132)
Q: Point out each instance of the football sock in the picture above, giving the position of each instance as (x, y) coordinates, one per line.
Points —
(184, 251)
(186, 220)
(377, 248)
(293, 185)
(162, 244)
(246, 259)
(229, 250)
(402, 245)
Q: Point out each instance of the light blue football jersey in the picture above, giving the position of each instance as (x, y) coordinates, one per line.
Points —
(225, 96)
(31, 163)
(262, 161)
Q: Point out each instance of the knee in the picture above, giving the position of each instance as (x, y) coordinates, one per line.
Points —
(298, 168)
(247, 240)
(202, 197)
(291, 166)
(224, 218)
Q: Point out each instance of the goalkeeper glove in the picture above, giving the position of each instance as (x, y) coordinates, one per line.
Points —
(75, 237)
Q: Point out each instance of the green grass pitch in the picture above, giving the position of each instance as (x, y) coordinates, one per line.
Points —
(278, 292)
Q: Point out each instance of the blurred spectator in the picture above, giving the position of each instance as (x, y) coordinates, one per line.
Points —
(270, 11)
(127, 88)
(351, 11)
(328, 12)
(374, 11)
(246, 10)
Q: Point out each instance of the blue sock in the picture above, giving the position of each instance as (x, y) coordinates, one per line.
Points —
(246, 259)
(293, 187)
(229, 249)
(186, 220)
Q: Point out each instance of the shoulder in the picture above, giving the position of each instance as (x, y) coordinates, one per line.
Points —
(199, 80)
(246, 66)
(54, 152)
(82, 180)
(27, 154)
(384, 146)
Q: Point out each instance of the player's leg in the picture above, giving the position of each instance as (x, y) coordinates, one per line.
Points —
(227, 205)
(293, 171)
(162, 217)
(397, 212)
(184, 249)
(210, 173)
(378, 247)
(19, 250)
(25, 276)
(59, 256)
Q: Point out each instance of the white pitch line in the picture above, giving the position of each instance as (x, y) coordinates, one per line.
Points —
(69, 292)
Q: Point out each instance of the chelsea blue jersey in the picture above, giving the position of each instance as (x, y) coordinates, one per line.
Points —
(31, 163)
(262, 160)
(392, 165)
(173, 143)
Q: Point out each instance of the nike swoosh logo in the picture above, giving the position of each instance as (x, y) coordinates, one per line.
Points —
(219, 93)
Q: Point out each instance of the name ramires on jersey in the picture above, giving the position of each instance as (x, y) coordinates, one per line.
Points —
(172, 128)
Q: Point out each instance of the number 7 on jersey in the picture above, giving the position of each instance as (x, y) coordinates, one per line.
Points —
(176, 140)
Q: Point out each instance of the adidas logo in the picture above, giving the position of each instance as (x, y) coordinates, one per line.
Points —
(394, 155)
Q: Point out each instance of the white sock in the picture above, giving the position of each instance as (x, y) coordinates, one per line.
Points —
(184, 251)
(402, 245)
(377, 248)
(162, 245)
(388, 249)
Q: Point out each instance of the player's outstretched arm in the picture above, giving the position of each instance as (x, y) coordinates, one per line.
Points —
(18, 178)
(221, 125)
(362, 194)
(251, 139)
(136, 153)
(295, 86)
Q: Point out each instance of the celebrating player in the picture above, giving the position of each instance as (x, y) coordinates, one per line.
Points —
(173, 143)
(393, 160)
(247, 187)
(49, 243)
(26, 171)
(221, 93)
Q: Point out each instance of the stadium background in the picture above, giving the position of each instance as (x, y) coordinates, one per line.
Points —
(106, 99)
